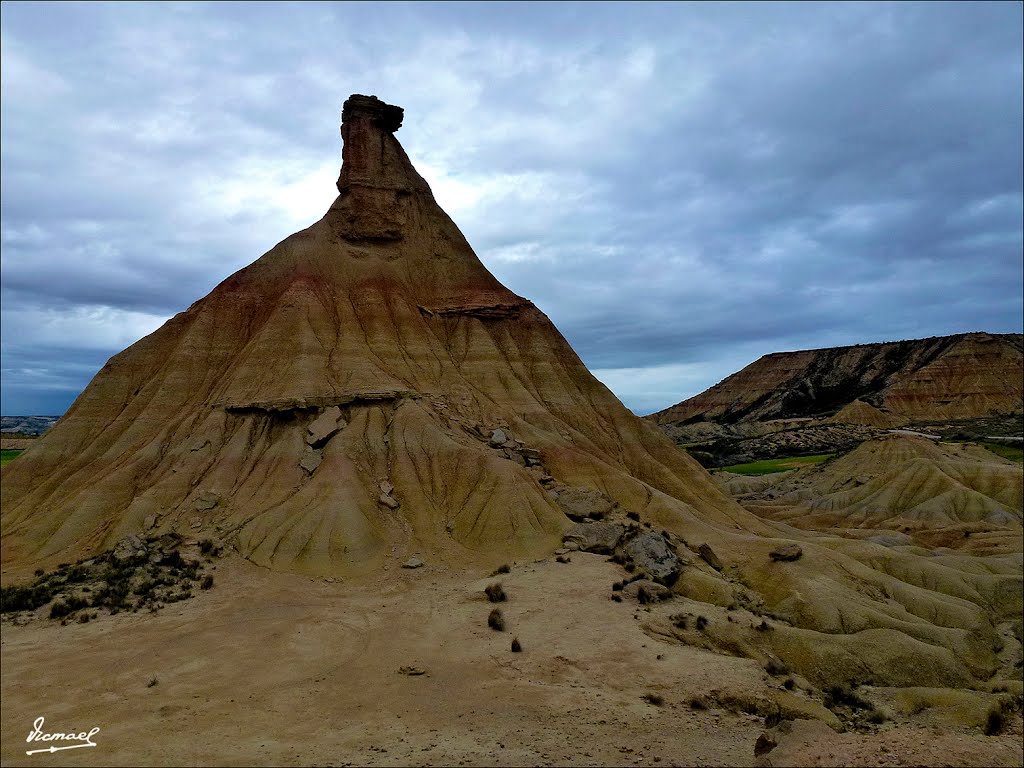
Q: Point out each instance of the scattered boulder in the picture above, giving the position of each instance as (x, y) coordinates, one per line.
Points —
(709, 557)
(786, 553)
(498, 438)
(310, 460)
(206, 500)
(582, 503)
(650, 554)
(516, 457)
(388, 501)
(600, 537)
(412, 562)
(412, 671)
(652, 589)
(325, 426)
(765, 743)
(129, 548)
(386, 488)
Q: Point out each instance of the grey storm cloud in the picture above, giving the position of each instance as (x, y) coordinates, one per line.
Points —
(681, 187)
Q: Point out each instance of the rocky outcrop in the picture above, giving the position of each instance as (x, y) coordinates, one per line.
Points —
(649, 554)
(600, 537)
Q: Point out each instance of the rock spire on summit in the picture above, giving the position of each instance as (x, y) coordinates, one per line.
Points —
(386, 116)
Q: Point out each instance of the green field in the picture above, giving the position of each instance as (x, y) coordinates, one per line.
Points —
(8, 455)
(1006, 451)
(769, 466)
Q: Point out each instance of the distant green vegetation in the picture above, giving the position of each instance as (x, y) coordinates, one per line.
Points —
(1006, 451)
(8, 455)
(770, 466)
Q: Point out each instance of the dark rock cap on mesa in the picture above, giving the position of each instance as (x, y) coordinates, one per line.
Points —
(386, 116)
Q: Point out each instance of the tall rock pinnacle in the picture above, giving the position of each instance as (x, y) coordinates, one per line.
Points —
(376, 175)
(335, 404)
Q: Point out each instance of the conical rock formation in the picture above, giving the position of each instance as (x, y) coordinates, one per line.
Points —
(371, 349)
(367, 391)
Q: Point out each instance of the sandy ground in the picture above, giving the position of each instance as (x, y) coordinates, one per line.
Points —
(277, 669)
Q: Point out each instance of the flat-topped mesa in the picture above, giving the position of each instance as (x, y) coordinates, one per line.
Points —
(377, 178)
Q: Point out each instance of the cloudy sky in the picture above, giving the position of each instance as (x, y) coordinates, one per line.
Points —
(680, 187)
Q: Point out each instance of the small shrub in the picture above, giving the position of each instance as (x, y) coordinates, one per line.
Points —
(206, 546)
(516, 645)
(877, 717)
(617, 586)
(789, 684)
(698, 703)
(67, 606)
(764, 626)
(496, 621)
(617, 597)
(506, 568)
(843, 695)
(633, 516)
(775, 668)
(84, 618)
(654, 698)
(680, 621)
(643, 596)
(24, 598)
(173, 559)
(207, 582)
(995, 721)
(562, 559)
(152, 681)
(39, 572)
(495, 593)
(702, 622)
(629, 567)
(77, 574)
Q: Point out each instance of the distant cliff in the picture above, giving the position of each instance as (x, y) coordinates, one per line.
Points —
(964, 376)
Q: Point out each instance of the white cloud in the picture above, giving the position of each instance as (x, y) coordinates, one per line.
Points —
(81, 327)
